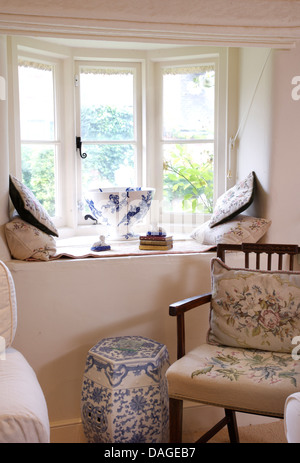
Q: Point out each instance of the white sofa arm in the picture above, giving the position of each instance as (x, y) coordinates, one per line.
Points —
(23, 409)
(292, 418)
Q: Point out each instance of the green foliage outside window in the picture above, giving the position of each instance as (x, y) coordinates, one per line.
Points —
(183, 177)
(190, 181)
(106, 123)
(38, 174)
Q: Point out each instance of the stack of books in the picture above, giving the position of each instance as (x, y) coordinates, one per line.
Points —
(156, 242)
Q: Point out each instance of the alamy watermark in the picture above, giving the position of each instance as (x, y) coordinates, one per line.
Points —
(296, 89)
(295, 355)
(2, 348)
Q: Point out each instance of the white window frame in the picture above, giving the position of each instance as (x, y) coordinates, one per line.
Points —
(184, 222)
(185, 218)
(137, 140)
(58, 140)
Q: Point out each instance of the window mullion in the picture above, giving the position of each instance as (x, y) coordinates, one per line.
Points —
(195, 141)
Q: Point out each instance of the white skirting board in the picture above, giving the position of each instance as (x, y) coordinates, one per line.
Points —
(67, 432)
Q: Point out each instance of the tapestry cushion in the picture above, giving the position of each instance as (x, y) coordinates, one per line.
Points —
(234, 201)
(29, 208)
(229, 377)
(26, 241)
(8, 308)
(241, 229)
(253, 308)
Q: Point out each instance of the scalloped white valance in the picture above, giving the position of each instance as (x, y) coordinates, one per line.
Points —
(34, 64)
(105, 70)
(201, 69)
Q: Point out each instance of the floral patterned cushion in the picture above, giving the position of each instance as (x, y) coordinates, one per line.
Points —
(28, 242)
(254, 309)
(241, 229)
(29, 208)
(229, 377)
(234, 201)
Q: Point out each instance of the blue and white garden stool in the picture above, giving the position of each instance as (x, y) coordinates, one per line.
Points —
(124, 392)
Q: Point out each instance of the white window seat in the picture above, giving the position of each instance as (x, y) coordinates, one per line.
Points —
(79, 246)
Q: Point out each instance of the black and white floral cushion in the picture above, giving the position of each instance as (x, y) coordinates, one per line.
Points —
(234, 201)
(29, 208)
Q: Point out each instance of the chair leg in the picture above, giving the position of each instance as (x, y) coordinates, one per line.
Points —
(232, 426)
(175, 421)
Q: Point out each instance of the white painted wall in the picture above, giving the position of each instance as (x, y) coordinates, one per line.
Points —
(285, 161)
(254, 142)
(66, 307)
(269, 142)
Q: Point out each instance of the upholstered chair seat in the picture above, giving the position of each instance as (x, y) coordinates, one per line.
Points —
(248, 380)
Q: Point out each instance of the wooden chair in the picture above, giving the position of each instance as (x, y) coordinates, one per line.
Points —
(197, 377)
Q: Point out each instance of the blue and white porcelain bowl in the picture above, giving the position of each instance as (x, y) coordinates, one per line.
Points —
(120, 209)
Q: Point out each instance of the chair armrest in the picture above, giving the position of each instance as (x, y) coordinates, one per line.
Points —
(178, 308)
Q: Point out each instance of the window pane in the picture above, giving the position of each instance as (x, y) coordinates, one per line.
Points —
(107, 166)
(106, 99)
(36, 102)
(38, 173)
(188, 103)
(188, 177)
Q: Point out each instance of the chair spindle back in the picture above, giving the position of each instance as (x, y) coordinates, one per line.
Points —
(291, 250)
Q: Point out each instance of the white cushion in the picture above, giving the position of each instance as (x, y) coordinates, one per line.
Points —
(243, 379)
(25, 241)
(23, 410)
(8, 307)
(241, 229)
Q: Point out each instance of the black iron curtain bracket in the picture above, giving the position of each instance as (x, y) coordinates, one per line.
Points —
(78, 147)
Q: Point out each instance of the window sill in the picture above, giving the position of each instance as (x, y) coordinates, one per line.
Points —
(80, 247)
(177, 230)
(77, 243)
(116, 258)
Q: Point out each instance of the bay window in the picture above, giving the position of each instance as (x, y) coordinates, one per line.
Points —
(154, 121)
